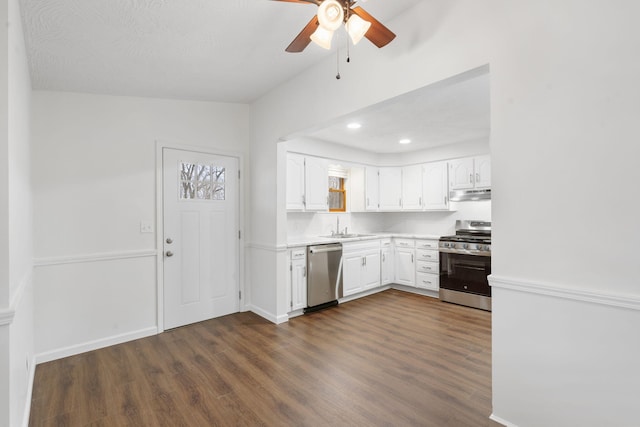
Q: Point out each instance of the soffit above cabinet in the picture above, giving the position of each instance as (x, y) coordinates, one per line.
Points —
(451, 111)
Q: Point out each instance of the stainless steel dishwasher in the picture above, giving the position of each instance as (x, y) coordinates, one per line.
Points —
(324, 276)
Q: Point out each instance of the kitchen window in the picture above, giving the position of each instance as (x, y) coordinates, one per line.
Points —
(337, 195)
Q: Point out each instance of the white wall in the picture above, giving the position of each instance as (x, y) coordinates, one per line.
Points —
(16, 258)
(564, 113)
(94, 166)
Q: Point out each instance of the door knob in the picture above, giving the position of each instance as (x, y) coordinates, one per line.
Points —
(169, 240)
(169, 253)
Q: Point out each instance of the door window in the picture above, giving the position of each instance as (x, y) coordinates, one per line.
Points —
(201, 182)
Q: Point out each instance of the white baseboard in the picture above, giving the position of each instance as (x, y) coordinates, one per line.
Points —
(501, 421)
(269, 316)
(94, 345)
(419, 291)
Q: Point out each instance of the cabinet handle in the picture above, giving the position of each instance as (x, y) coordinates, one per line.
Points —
(445, 200)
(420, 201)
(304, 271)
(382, 257)
(304, 201)
(477, 177)
(400, 202)
(470, 177)
(411, 258)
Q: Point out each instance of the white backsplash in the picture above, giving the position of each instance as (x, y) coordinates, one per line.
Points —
(304, 224)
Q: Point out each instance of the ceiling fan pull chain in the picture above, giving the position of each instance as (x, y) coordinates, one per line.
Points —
(338, 62)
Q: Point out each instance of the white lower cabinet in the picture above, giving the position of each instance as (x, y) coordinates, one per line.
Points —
(427, 264)
(360, 266)
(387, 268)
(298, 278)
(405, 271)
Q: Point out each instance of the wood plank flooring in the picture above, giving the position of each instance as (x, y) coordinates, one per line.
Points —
(390, 359)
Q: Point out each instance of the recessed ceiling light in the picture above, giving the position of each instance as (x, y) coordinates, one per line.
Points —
(354, 125)
(404, 141)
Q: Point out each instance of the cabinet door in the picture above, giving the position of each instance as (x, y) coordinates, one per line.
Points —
(351, 271)
(295, 182)
(390, 189)
(371, 189)
(405, 267)
(412, 187)
(386, 266)
(298, 284)
(435, 186)
(482, 167)
(316, 184)
(461, 174)
(371, 270)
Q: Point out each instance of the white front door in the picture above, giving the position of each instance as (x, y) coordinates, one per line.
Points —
(200, 236)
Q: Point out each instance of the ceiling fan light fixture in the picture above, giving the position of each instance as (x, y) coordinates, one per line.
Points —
(357, 28)
(330, 15)
(322, 37)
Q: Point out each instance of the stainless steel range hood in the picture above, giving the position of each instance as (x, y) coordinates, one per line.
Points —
(469, 195)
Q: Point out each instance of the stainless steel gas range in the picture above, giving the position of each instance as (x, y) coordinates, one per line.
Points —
(465, 263)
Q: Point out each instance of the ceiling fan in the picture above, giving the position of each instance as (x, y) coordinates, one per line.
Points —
(333, 13)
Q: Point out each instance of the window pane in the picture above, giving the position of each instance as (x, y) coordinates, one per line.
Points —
(218, 174)
(187, 190)
(204, 172)
(218, 192)
(336, 183)
(187, 171)
(336, 200)
(204, 190)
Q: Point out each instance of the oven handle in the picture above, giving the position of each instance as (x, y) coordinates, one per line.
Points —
(470, 267)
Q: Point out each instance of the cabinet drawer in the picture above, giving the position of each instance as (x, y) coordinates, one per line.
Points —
(427, 267)
(427, 244)
(367, 245)
(385, 243)
(404, 243)
(428, 281)
(298, 253)
(427, 255)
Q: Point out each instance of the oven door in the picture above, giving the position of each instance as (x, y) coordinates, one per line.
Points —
(465, 273)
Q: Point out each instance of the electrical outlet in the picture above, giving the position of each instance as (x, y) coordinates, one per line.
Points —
(146, 227)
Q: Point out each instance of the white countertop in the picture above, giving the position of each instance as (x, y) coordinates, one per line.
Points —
(320, 240)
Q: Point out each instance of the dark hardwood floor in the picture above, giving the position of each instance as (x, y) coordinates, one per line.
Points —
(390, 359)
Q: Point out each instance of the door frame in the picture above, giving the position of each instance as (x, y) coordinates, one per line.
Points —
(160, 146)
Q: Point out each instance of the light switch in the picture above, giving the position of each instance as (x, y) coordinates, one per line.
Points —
(146, 227)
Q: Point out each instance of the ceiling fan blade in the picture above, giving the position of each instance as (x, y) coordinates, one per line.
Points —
(303, 39)
(378, 34)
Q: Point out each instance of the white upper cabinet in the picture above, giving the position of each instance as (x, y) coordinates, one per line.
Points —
(470, 172)
(371, 188)
(461, 173)
(482, 169)
(295, 182)
(435, 186)
(390, 186)
(412, 187)
(307, 183)
(316, 184)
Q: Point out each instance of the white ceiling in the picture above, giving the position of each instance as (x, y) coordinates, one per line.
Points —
(230, 51)
(213, 50)
(450, 111)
